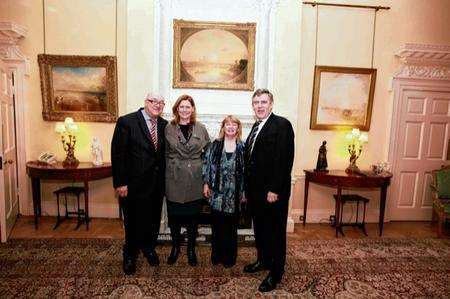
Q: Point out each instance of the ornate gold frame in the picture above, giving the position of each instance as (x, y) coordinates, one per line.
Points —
(314, 124)
(47, 62)
(244, 31)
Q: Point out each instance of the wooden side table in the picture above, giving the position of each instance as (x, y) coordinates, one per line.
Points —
(340, 179)
(84, 172)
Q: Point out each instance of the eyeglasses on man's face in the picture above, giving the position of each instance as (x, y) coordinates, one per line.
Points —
(156, 102)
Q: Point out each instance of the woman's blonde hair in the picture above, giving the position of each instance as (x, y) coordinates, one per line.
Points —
(233, 119)
(176, 116)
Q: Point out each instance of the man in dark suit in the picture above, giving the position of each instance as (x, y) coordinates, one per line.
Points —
(138, 166)
(269, 154)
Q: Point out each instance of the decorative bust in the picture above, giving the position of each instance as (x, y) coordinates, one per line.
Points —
(96, 150)
(322, 163)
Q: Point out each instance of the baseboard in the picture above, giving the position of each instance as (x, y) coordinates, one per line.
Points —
(323, 215)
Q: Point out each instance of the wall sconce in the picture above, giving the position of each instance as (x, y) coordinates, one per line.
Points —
(67, 130)
(356, 139)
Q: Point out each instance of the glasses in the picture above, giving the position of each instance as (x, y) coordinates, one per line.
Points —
(156, 102)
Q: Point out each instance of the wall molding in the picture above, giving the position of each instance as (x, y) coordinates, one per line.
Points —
(423, 61)
(262, 12)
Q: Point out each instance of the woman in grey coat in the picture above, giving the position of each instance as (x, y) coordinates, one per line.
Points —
(186, 141)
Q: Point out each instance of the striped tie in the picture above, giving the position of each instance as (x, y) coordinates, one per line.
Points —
(153, 133)
(251, 138)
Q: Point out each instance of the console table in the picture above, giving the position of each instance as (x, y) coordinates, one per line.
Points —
(340, 179)
(83, 172)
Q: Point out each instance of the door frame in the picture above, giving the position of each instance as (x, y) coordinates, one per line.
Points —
(401, 86)
(17, 63)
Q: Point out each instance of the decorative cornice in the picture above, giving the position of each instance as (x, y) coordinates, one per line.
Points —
(421, 61)
(10, 34)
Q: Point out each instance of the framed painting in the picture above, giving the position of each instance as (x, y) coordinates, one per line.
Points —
(342, 98)
(213, 55)
(81, 87)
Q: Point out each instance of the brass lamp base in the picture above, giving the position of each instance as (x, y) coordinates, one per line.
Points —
(70, 162)
(352, 168)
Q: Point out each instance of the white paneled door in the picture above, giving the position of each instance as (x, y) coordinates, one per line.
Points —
(421, 145)
(9, 202)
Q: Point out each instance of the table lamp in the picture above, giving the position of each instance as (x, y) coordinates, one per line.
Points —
(67, 130)
(356, 140)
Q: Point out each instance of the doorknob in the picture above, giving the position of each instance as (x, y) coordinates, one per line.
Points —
(10, 161)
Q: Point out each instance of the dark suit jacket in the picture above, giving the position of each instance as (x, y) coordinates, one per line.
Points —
(270, 165)
(135, 162)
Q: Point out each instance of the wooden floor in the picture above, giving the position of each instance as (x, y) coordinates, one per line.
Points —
(112, 228)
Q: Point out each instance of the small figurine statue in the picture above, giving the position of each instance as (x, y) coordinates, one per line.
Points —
(96, 150)
(322, 163)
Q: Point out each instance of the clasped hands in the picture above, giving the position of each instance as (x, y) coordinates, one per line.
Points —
(271, 197)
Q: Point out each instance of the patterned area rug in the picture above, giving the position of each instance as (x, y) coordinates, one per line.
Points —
(342, 268)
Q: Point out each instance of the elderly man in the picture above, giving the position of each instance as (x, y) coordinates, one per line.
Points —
(138, 166)
(269, 154)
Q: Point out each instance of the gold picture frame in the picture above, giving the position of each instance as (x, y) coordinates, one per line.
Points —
(81, 87)
(213, 55)
(342, 98)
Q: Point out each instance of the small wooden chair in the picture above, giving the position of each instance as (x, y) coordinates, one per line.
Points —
(441, 198)
(80, 213)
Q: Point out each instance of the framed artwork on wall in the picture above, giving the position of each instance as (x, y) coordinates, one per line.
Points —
(342, 98)
(81, 87)
(213, 55)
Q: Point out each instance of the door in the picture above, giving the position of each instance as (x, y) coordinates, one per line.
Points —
(421, 146)
(9, 201)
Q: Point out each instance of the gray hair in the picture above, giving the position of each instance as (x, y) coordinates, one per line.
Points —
(261, 91)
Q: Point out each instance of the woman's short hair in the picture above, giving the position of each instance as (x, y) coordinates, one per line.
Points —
(233, 119)
(176, 116)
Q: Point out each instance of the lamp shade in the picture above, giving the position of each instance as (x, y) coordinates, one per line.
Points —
(72, 128)
(68, 121)
(60, 128)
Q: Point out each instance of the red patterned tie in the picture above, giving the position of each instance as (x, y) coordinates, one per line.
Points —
(153, 132)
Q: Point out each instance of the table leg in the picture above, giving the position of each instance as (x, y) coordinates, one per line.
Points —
(86, 203)
(382, 208)
(337, 211)
(305, 204)
(36, 191)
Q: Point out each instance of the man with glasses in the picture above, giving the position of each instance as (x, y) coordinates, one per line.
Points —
(138, 166)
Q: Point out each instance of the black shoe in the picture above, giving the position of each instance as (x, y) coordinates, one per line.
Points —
(255, 267)
(192, 257)
(269, 283)
(129, 266)
(173, 255)
(152, 258)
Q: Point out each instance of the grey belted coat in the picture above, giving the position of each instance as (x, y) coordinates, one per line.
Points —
(184, 163)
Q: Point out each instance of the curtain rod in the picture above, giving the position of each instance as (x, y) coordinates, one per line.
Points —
(314, 3)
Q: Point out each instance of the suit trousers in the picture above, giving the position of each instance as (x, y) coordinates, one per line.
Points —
(142, 218)
(224, 241)
(269, 225)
